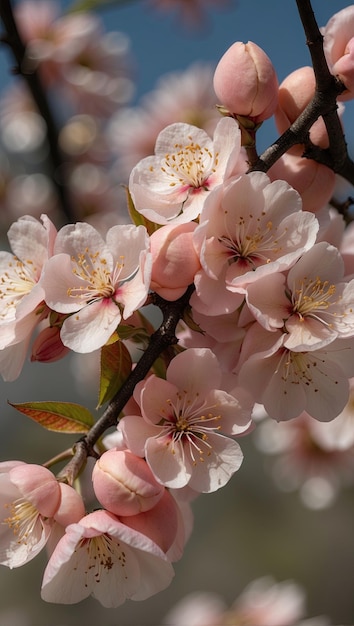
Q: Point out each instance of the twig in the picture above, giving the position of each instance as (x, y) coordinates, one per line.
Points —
(160, 340)
(55, 160)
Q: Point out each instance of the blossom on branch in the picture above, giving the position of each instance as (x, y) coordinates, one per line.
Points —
(182, 418)
(96, 282)
(22, 304)
(102, 557)
(188, 164)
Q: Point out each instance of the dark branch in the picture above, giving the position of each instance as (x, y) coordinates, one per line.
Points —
(164, 337)
(30, 75)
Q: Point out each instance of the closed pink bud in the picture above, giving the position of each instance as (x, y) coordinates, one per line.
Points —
(124, 484)
(37, 485)
(71, 508)
(161, 523)
(48, 346)
(174, 259)
(338, 45)
(314, 182)
(245, 82)
(295, 93)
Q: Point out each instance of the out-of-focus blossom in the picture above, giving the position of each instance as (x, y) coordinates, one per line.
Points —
(187, 96)
(90, 278)
(264, 602)
(311, 457)
(102, 557)
(173, 185)
(183, 417)
(73, 53)
(245, 82)
(191, 12)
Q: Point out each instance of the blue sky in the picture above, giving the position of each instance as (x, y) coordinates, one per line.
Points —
(160, 44)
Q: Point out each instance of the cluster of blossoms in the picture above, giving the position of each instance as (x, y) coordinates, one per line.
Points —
(270, 322)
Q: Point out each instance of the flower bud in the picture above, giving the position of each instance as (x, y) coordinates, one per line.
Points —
(295, 93)
(38, 485)
(245, 82)
(314, 182)
(71, 508)
(161, 523)
(48, 346)
(174, 259)
(338, 46)
(124, 484)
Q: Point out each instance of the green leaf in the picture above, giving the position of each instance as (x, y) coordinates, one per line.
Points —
(61, 417)
(116, 365)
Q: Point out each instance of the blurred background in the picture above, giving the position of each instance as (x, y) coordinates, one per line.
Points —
(255, 526)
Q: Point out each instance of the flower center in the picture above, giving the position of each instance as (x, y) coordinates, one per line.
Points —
(15, 283)
(103, 553)
(312, 296)
(22, 519)
(190, 165)
(98, 280)
(254, 241)
(190, 422)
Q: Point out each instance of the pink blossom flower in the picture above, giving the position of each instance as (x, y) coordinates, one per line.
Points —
(186, 96)
(246, 83)
(22, 304)
(313, 304)
(308, 458)
(251, 227)
(96, 282)
(188, 164)
(182, 417)
(288, 382)
(29, 498)
(102, 557)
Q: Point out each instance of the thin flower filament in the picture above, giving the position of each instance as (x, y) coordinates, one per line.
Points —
(103, 553)
(190, 422)
(15, 283)
(97, 278)
(190, 166)
(312, 297)
(22, 520)
(253, 242)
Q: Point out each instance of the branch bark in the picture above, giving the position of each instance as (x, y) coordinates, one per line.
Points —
(55, 159)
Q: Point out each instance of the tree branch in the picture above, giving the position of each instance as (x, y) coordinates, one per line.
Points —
(55, 159)
(324, 103)
(164, 337)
